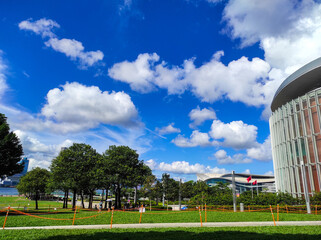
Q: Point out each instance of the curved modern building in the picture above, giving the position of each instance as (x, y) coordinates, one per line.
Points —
(264, 182)
(295, 132)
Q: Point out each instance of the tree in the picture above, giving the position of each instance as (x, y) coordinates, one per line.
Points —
(170, 187)
(75, 169)
(35, 183)
(10, 150)
(124, 165)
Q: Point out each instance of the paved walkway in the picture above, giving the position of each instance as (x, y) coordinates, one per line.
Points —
(175, 225)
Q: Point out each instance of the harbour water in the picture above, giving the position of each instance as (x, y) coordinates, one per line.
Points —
(8, 191)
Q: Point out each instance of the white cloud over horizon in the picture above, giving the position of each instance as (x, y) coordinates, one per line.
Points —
(183, 167)
(222, 158)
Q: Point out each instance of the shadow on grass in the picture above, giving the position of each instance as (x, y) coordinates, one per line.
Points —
(178, 235)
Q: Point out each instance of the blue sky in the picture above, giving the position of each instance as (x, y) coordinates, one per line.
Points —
(187, 83)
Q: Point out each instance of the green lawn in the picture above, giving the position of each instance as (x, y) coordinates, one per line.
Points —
(284, 233)
(21, 202)
(15, 220)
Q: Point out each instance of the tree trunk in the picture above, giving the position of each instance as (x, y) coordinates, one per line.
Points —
(135, 197)
(36, 200)
(64, 202)
(67, 196)
(118, 197)
(82, 200)
(74, 200)
(90, 203)
(106, 198)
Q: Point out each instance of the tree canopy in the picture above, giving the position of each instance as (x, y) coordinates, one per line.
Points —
(10, 150)
(34, 183)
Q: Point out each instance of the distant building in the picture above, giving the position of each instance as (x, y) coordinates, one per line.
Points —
(265, 183)
(14, 180)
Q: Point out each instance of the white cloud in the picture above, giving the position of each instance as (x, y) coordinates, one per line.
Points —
(168, 129)
(235, 134)
(38, 153)
(196, 139)
(137, 74)
(199, 116)
(261, 152)
(41, 27)
(253, 20)
(75, 108)
(209, 82)
(223, 158)
(70, 47)
(75, 50)
(289, 38)
(3, 83)
(184, 167)
(89, 106)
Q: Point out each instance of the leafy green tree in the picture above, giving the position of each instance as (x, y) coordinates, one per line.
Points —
(10, 150)
(170, 187)
(34, 183)
(157, 191)
(76, 168)
(124, 165)
(187, 189)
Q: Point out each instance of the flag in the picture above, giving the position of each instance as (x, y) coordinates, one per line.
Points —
(249, 179)
(255, 182)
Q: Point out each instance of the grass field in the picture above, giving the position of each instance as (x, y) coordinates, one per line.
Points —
(284, 233)
(21, 202)
(85, 217)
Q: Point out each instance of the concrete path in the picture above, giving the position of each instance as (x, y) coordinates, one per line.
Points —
(175, 225)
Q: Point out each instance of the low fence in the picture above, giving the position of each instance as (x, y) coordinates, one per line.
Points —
(202, 211)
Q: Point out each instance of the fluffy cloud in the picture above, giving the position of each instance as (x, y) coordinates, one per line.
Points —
(209, 82)
(235, 134)
(168, 129)
(183, 167)
(199, 116)
(196, 139)
(88, 106)
(70, 47)
(41, 27)
(289, 38)
(262, 152)
(75, 107)
(222, 158)
(75, 50)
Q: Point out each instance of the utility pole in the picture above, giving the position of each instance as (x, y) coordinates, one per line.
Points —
(179, 194)
(234, 191)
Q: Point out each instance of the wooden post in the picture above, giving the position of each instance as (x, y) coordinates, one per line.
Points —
(141, 213)
(316, 209)
(73, 221)
(205, 213)
(112, 216)
(249, 208)
(277, 213)
(5, 220)
(272, 215)
(286, 206)
(199, 210)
